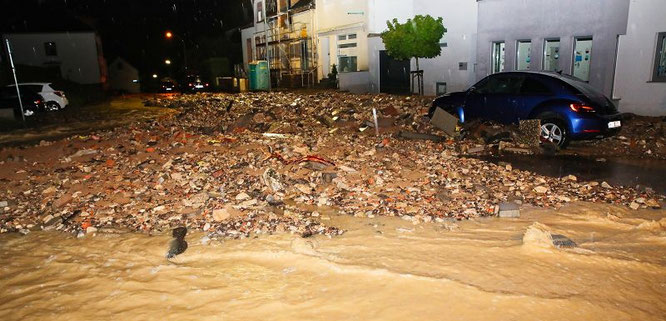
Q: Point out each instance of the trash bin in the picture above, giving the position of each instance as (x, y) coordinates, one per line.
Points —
(259, 75)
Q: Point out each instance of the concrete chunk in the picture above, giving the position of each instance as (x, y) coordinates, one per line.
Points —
(509, 210)
(444, 121)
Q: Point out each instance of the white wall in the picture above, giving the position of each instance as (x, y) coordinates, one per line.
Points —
(122, 76)
(459, 19)
(635, 60)
(381, 11)
(77, 53)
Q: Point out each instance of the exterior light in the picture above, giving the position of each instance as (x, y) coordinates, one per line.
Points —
(168, 62)
(154, 75)
(168, 34)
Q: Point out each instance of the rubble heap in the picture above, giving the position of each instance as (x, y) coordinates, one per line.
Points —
(238, 166)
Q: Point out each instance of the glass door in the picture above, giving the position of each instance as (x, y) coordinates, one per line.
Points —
(582, 57)
(498, 57)
(551, 55)
(523, 55)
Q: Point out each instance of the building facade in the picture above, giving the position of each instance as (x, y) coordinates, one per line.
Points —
(77, 54)
(618, 46)
(123, 77)
(640, 76)
(577, 38)
(283, 34)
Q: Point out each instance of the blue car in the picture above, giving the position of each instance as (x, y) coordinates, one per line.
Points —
(569, 108)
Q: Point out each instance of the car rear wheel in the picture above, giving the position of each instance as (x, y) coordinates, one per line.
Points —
(553, 131)
(52, 106)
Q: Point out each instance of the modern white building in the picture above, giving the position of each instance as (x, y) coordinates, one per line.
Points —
(123, 77)
(640, 75)
(77, 54)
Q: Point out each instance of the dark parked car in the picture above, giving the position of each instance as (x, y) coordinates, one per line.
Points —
(167, 87)
(193, 84)
(570, 109)
(32, 101)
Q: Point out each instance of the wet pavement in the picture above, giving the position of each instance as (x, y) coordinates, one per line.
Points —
(618, 172)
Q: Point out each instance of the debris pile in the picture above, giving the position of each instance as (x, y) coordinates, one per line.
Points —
(239, 166)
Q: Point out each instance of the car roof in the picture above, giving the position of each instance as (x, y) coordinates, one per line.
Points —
(35, 83)
(552, 74)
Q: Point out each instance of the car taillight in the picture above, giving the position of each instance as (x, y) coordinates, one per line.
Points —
(59, 93)
(206, 84)
(37, 102)
(190, 84)
(580, 108)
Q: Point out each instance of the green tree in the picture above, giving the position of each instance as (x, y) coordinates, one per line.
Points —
(416, 38)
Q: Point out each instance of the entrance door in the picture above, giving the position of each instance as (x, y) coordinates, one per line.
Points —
(325, 56)
(393, 74)
(582, 56)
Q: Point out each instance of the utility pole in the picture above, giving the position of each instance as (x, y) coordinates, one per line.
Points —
(18, 91)
(268, 57)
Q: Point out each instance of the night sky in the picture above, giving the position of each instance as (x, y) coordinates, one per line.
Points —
(134, 29)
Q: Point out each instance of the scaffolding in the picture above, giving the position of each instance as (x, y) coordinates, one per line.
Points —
(289, 47)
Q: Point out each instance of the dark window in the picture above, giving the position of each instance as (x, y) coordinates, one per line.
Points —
(50, 49)
(342, 37)
(659, 73)
(503, 84)
(351, 36)
(533, 86)
(347, 45)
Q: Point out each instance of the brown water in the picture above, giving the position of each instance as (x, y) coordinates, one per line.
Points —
(382, 269)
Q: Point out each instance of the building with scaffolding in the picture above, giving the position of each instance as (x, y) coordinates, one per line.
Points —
(283, 35)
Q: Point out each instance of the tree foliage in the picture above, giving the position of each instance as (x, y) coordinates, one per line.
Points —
(417, 38)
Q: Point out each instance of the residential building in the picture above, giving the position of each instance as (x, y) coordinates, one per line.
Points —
(68, 44)
(618, 46)
(283, 34)
(123, 77)
(640, 76)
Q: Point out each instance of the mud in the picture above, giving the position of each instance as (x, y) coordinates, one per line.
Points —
(382, 269)
(628, 172)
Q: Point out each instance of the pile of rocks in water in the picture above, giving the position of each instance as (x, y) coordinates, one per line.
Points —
(239, 166)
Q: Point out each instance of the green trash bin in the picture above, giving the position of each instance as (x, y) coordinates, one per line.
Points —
(259, 75)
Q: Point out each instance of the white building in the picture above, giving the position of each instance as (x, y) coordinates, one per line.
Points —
(482, 38)
(640, 75)
(123, 77)
(346, 33)
(78, 54)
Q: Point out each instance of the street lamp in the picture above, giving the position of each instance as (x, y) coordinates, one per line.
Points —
(170, 35)
(168, 62)
(154, 75)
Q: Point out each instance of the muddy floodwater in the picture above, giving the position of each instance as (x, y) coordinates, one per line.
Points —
(381, 269)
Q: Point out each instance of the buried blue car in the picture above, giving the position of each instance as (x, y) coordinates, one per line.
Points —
(569, 109)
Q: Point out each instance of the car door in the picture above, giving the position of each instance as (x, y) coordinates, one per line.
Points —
(533, 93)
(495, 98)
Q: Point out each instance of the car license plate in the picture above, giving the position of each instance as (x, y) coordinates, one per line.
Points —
(199, 86)
(614, 124)
(168, 89)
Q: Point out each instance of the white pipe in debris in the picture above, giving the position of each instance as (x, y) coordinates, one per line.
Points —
(374, 115)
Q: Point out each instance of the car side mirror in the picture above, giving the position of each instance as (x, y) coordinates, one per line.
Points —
(471, 90)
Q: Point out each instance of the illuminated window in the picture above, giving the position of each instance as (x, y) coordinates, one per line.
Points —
(260, 11)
